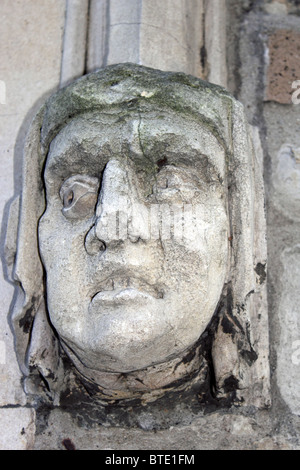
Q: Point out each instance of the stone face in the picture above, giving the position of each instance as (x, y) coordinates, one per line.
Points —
(279, 125)
(148, 281)
(137, 202)
(283, 68)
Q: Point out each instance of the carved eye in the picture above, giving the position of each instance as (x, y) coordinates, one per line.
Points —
(168, 179)
(174, 183)
(162, 183)
(68, 198)
(79, 196)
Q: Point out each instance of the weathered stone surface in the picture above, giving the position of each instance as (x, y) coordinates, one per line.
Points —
(166, 35)
(288, 355)
(31, 37)
(17, 428)
(150, 297)
(283, 67)
(215, 431)
(281, 125)
(171, 35)
(281, 8)
(123, 30)
(138, 308)
(276, 7)
(215, 42)
(75, 41)
(279, 129)
(11, 390)
(286, 181)
(97, 34)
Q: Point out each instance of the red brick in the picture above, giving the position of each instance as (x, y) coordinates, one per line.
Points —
(284, 65)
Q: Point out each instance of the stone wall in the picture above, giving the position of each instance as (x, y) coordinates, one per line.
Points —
(32, 38)
(263, 60)
(252, 49)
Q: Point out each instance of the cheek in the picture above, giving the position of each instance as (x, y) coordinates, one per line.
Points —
(61, 243)
(201, 254)
(46, 238)
(204, 231)
(63, 256)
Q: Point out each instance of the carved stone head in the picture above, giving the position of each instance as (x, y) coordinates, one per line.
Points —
(137, 251)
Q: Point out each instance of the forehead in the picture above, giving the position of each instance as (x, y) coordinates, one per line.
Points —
(86, 143)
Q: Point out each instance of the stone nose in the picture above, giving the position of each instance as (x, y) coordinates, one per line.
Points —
(120, 212)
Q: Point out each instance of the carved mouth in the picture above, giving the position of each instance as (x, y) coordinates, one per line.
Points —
(122, 290)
